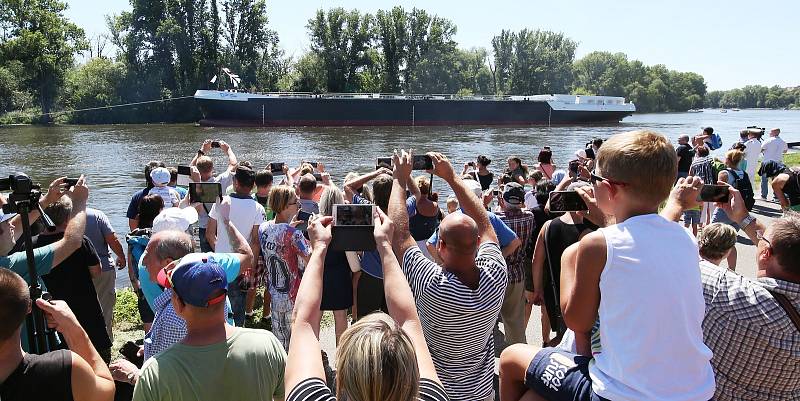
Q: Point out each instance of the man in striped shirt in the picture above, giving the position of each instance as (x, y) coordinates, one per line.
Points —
(459, 303)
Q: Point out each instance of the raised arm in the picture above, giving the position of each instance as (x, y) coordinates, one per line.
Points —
(399, 299)
(232, 161)
(73, 235)
(470, 204)
(397, 203)
(90, 377)
(737, 211)
(204, 149)
(305, 359)
(682, 197)
(352, 186)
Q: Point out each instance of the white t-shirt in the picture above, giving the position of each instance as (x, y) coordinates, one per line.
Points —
(774, 148)
(751, 152)
(169, 195)
(651, 314)
(245, 214)
(530, 200)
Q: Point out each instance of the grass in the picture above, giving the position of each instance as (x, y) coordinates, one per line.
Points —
(128, 325)
(789, 159)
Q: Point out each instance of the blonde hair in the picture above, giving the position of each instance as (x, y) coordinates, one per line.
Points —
(330, 196)
(306, 168)
(376, 362)
(716, 240)
(424, 184)
(204, 164)
(644, 160)
(735, 157)
(279, 197)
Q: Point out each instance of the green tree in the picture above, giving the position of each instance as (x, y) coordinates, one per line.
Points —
(44, 41)
(250, 47)
(341, 39)
(503, 46)
(391, 32)
(542, 62)
(602, 73)
(99, 82)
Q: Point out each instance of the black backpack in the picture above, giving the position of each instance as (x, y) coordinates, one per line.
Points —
(745, 188)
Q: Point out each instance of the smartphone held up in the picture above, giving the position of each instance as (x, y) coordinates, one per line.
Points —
(566, 201)
(353, 227)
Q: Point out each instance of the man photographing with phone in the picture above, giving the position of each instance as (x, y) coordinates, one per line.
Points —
(205, 167)
(460, 302)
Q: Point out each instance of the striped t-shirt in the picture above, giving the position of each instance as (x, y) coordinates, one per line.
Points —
(458, 321)
(314, 389)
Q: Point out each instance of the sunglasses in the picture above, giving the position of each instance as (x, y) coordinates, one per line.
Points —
(594, 178)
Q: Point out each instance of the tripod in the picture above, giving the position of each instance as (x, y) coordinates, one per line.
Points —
(25, 194)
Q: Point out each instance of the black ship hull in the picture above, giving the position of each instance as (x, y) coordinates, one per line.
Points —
(321, 111)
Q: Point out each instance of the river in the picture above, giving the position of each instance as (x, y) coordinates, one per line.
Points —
(112, 156)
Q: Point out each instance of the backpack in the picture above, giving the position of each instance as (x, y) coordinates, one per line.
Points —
(743, 185)
(715, 141)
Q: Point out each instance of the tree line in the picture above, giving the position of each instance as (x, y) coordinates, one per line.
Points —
(163, 49)
(755, 96)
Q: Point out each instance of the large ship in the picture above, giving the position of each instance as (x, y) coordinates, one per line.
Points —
(234, 108)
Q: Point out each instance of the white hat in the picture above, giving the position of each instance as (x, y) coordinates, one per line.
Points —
(174, 218)
(160, 176)
(476, 188)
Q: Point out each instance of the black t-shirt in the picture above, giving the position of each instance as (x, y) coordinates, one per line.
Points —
(40, 377)
(686, 153)
(71, 282)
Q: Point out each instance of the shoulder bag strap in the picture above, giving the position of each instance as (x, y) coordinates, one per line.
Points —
(787, 306)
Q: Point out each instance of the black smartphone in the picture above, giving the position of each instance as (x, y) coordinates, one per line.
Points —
(70, 182)
(214, 144)
(573, 167)
(471, 164)
(318, 177)
(303, 216)
(422, 162)
(205, 192)
(566, 201)
(131, 352)
(714, 193)
(383, 162)
(353, 227)
(276, 168)
(496, 192)
(313, 164)
(184, 176)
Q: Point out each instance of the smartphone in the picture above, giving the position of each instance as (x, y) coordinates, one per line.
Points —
(276, 168)
(383, 162)
(184, 176)
(353, 228)
(496, 192)
(313, 164)
(422, 162)
(714, 193)
(70, 182)
(131, 352)
(573, 167)
(205, 192)
(318, 177)
(353, 215)
(303, 216)
(566, 201)
(214, 144)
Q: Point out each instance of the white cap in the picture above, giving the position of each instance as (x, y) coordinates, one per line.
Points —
(476, 188)
(160, 176)
(174, 218)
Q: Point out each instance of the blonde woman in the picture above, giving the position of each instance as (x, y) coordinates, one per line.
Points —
(286, 252)
(380, 358)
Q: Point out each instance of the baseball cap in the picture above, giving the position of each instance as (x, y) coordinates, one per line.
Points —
(196, 281)
(6, 216)
(475, 187)
(514, 193)
(160, 176)
(175, 218)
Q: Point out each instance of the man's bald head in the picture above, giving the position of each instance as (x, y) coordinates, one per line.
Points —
(459, 234)
(164, 247)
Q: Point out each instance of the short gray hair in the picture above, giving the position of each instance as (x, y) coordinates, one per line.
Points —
(173, 244)
(60, 210)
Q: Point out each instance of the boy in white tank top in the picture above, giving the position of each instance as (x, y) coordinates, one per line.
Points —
(639, 276)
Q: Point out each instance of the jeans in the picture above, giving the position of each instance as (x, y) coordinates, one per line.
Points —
(204, 245)
(237, 298)
(764, 186)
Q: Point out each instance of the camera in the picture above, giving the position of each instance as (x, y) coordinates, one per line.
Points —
(422, 162)
(23, 189)
(383, 162)
(276, 168)
(215, 144)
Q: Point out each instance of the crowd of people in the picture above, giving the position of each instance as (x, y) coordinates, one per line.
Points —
(636, 302)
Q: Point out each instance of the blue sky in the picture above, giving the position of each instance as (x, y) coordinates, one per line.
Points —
(731, 43)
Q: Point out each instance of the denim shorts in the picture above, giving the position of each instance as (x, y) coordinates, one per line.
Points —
(691, 217)
(558, 375)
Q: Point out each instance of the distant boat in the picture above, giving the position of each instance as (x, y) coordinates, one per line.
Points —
(723, 111)
(694, 111)
(735, 109)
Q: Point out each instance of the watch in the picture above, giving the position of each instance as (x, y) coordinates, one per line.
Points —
(748, 220)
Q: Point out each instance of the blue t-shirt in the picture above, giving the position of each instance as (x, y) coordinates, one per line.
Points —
(181, 191)
(227, 261)
(133, 207)
(504, 233)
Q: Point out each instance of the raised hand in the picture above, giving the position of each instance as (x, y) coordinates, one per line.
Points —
(442, 167)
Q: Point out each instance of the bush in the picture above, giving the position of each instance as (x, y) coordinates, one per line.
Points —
(126, 314)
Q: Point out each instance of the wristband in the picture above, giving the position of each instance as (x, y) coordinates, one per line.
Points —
(200, 152)
(747, 221)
